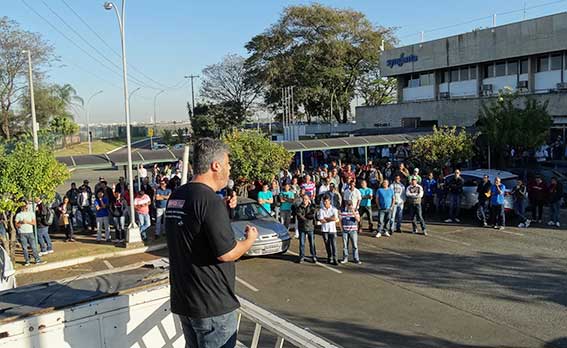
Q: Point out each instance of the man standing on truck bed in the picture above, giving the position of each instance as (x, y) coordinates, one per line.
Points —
(202, 251)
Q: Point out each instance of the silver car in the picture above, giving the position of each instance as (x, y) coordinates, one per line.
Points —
(273, 237)
(469, 199)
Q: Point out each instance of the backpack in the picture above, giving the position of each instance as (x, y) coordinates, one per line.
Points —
(49, 217)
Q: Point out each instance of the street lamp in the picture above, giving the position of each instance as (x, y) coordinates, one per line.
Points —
(130, 96)
(88, 121)
(155, 118)
(133, 229)
(32, 101)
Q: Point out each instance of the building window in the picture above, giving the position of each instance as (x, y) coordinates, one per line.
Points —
(472, 72)
(500, 69)
(513, 67)
(489, 70)
(524, 63)
(426, 79)
(445, 76)
(465, 74)
(556, 61)
(543, 63)
(454, 75)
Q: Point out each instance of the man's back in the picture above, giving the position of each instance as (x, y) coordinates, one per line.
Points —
(198, 231)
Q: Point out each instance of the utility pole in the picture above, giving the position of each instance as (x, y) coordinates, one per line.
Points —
(192, 95)
(32, 101)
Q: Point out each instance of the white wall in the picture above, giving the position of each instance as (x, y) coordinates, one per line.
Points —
(546, 80)
(419, 93)
(443, 87)
(500, 82)
(463, 88)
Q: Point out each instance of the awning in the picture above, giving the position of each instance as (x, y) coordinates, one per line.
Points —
(351, 142)
(120, 159)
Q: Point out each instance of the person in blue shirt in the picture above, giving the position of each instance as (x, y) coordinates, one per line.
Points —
(498, 191)
(286, 197)
(266, 198)
(365, 208)
(384, 202)
(429, 190)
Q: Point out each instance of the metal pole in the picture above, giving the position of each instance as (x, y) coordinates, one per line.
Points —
(155, 118)
(133, 230)
(192, 95)
(32, 102)
(291, 109)
(89, 123)
(185, 173)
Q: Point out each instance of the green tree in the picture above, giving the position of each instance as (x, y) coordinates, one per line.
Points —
(513, 120)
(254, 157)
(213, 120)
(64, 126)
(167, 136)
(205, 126)
(375, 89)
(180, 135)
(322, 51)
(51, 101)
(26, 173)
(446, 144)
(14, 65)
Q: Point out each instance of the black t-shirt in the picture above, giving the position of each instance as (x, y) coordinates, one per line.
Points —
(198, 231)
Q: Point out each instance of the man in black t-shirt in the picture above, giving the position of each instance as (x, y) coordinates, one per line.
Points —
(202, 251)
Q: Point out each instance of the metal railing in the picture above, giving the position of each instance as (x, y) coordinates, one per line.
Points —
(283, 329)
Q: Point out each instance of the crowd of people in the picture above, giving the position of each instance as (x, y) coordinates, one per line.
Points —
(338, 196)
(103, 209)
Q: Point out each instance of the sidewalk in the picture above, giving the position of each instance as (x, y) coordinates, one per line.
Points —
(85, 249)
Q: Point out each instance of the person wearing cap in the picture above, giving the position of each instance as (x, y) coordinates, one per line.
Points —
(414, 194)
(416, 176)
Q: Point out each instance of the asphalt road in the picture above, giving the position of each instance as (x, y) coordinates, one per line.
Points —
(461, 286)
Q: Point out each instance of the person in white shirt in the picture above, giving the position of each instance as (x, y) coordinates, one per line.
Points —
(142, 172)
(414, 194)
(398, 207)
(325, 187)
(328, 217)
(352, 194)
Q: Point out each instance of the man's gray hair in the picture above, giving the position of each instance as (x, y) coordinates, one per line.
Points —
(205, 152)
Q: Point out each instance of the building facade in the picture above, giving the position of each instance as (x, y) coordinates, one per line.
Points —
(446, 81)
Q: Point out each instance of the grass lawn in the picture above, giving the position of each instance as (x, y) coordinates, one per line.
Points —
(99, 146)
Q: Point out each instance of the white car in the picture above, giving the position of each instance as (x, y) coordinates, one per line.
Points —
(158, 146)
(471, 178)
(7, 272)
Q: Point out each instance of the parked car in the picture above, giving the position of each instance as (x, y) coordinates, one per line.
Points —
(158, 146)
(273, 237)
(469, 199)
(7, 272)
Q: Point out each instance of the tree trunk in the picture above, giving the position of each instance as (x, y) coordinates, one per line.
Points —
(6, 125)
(345, 114)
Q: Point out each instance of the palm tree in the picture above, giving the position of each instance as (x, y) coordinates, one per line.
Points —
(68, 95)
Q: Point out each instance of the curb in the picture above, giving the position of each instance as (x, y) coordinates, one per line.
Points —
(124, 146)
(86, 259)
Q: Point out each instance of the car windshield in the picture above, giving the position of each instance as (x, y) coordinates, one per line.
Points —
(249, 211)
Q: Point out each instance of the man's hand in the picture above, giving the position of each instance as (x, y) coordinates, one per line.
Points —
(251, 232)
(232, 201)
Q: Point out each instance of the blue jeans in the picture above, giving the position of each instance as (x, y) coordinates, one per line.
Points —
(353, 237)
(384, 220)
(498, 215)
(330, 240)
(213, 332)
(28, 239)
(44, 239)
(416, 216)
(520, 209)
(482, 209)
(397, 216)
(311, 237)
(454, 205)
(555, 212)
(145, 223)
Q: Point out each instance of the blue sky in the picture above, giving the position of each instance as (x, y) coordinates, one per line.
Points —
(168, 39)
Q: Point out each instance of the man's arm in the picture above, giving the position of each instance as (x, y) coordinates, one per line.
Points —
(241, 247)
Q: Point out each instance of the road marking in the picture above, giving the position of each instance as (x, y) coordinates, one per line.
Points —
(319, 264)
(108, 264)
(450, 240)
(246, 284)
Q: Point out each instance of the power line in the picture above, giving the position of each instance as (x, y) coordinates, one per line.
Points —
(523, 9)
(93, 47)
(108, 46)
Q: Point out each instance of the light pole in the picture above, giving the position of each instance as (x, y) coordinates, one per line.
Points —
(155, 118)
(89, 123)
(133, 230)
(32, 101)
(192, 94)
(132, 94)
